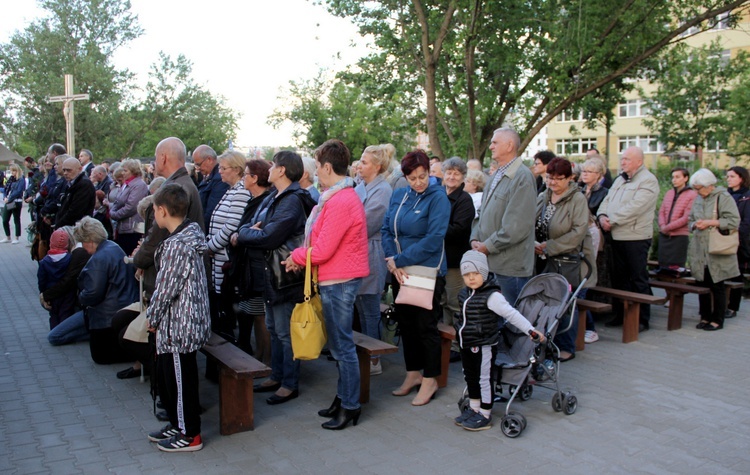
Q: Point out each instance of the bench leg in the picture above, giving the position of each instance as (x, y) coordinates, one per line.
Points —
(364, 375)
(445, 359)
(580, 342)
(632, 312)
(674, 320)
(235, 403)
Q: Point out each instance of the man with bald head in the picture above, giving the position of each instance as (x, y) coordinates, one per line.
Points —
(504, 230)
(628, 213)
(80, 197)
(211, 189)
(101, 180)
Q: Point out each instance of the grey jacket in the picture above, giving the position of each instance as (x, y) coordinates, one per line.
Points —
(631, 205)
(720, 267)
(506, 222)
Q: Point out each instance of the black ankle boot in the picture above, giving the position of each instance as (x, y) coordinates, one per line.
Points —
(333, 410)
(343, 417)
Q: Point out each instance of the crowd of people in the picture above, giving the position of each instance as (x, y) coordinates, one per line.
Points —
(159, 256)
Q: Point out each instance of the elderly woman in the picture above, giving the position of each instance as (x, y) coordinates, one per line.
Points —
(280, 217)
(474, 186)
(246, 274)
(673, 221)
(738, 180)
(375, 194)
(14, 189)
(562, 229)
(106, 285)
(225, 221)
(457, 238)
(124, 210)
(336, 233)
(413, 232)
(713, 208)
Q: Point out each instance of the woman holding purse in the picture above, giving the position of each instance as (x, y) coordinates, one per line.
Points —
(337, 233)
(712, 209)
(562, 229)
(413, 233)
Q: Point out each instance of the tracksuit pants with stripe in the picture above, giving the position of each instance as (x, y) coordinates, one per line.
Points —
(178, 390)
(477, 362)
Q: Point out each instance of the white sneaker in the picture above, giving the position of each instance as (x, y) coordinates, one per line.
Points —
(6, 240)
(376, 368)
(15, 241)
(591, 336)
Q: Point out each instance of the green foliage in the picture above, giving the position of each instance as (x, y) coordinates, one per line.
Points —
(739, 119)
(689, 107)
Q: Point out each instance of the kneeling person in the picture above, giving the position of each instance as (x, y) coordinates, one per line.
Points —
(180, 317)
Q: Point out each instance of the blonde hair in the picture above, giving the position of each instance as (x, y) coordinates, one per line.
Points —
(15, 168)
(477, 178)
(234, 159)
(133, 165)
(382, 156)
(597, 164)
(89, 229)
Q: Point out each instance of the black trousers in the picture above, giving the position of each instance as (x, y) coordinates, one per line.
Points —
(137, 351)
(16, 213)
(712, 306)
(630, 273)
(477, 362)
(177, 375)
(105, 348)
(419, 333)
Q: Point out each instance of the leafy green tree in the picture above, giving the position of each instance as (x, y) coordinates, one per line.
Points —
(739, 120)
(77, 37)
(689, 107)
(479, 64)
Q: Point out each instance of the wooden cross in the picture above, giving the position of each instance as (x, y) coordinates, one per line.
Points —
(68, 100)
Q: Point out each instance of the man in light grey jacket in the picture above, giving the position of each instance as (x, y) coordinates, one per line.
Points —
(628, 213)
(504, 229)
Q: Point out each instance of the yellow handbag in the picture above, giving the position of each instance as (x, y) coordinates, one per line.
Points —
(307, 325)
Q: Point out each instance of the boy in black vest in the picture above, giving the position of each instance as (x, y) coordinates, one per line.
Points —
(482, 305)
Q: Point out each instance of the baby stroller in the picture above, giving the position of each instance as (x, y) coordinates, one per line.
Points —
(546, 300)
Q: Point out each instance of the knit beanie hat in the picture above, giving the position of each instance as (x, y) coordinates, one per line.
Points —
(58, 242)
(475, 261)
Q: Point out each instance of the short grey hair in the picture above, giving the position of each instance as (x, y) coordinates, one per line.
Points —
(133, 165)
(477, 178)
(89, 229)
(309, 164)
(511, 135)
(455, 163)
(596, 164)
(703, 177)
(156, 184)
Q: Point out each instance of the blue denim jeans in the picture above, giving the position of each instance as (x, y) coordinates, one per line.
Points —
(368, 306)
(338, 308)
(71, 330)
(283, 367)
(511, 286)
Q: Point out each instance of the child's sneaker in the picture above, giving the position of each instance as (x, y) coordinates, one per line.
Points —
(590, 336)
(164, 433)
(476, 422)
(181, 443)
(468, 412)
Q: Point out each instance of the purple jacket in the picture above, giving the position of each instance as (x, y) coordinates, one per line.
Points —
(124, 209)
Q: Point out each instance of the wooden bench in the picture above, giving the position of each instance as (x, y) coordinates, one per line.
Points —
(583, 307)
(447, 335)
(676, 295)
(238, 369)
(631, 302)
(368, 347)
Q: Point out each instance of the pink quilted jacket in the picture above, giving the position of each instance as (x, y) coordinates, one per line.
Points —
(678, 224)
(339, 239)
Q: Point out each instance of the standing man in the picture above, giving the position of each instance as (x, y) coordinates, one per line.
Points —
(628, 213)
(86, 157)
(80, 197)
(504, 230)
(101, 180)
(211, 189)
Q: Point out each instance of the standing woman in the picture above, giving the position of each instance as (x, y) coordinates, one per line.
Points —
(375, 194)
(419, 215)
(738, 180)
(14, 188)
(713, 208)
(562, 228)
(337, 234)
(673, 221)
(280, 217)
(124, 210)
(225, 221)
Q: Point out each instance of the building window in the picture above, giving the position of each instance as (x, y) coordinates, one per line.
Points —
(633, 108)
(715, 146)
(574, 146)
(567, 116)
(647, 143)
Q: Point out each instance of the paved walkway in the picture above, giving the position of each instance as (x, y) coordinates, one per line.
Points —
(673, 402)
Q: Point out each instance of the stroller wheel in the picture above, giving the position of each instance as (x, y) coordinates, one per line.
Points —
(463, 401)
(557, 402)
(525, 392)
(521, 417)
(570, 404)
(511, 425)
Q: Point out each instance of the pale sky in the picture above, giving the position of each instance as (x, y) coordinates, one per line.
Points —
(247, 51)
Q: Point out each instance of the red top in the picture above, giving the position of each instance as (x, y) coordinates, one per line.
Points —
(677, 225)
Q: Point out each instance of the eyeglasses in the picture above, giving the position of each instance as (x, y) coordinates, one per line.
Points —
(556, 178)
